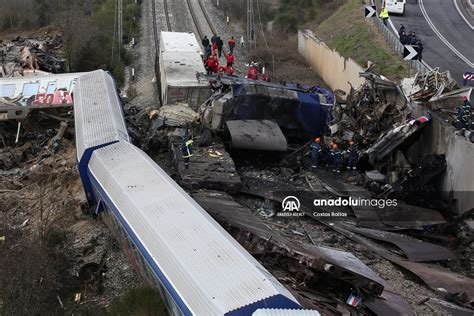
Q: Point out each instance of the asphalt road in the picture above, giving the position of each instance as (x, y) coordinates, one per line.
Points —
(451, 45)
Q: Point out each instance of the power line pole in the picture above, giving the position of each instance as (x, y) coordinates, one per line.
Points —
(251, 34)
(120, 28)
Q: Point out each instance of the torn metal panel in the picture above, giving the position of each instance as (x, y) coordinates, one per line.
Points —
(435, 276)
(451, 308)
(416, 250)
(393, 139)
(257, 135)
(390, 304)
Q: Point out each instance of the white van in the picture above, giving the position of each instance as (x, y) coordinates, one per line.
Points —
(395, 6)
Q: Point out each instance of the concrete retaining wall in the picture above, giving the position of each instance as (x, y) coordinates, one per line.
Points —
(458, 181)
(335, 70)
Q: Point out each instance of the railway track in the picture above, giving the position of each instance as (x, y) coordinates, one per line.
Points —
(167, 16)
(208, 19)
(155, 30)
(196, 20)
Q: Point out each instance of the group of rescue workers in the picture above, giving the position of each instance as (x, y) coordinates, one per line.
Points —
(213, 50)
(411, 39)
(332, 156)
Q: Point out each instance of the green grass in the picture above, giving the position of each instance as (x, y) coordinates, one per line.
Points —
(349, 33)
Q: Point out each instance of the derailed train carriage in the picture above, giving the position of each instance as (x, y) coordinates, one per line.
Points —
(173, 243)
(177, 61)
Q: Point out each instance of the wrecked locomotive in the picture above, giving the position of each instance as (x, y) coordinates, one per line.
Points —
(277, 110)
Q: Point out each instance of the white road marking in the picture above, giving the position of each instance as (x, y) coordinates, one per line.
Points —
(441, 37)
(462, 15)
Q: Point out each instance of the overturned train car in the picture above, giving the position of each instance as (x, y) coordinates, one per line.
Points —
(169, 239)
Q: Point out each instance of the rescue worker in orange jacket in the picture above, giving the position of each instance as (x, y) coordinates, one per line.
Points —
(336, 155)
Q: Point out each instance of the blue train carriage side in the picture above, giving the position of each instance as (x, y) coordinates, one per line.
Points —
(198, 267)
(98, 119)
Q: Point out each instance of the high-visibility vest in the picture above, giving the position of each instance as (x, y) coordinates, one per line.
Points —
(384, 13)
(188, 152)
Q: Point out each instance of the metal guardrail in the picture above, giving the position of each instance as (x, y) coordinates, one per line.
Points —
(397, 46)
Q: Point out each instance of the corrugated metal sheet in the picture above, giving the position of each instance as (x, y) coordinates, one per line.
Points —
(211, 272)
(97, 112)
(179, 42)
(285, 312)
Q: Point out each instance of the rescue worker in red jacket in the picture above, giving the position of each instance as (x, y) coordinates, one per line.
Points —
(215, 64)
(209, 64)
(252, 73)
(230, 60)
(231, 45)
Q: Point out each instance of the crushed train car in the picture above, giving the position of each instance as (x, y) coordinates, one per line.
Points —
(298, 111)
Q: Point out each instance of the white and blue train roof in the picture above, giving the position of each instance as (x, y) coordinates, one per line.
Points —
(202, 267)
(98, 118)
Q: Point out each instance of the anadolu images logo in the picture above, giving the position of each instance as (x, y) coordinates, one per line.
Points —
(291, 207)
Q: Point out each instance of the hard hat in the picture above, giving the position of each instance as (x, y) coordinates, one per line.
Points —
(317, 139)
(464, 98)
(334, 146)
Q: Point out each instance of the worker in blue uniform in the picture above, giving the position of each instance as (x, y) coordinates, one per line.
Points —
(315, 150)
(187, 150)
(353, 155)
(464, 114)
(336, 157)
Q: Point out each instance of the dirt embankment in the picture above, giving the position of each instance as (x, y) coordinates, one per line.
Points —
(46, 237)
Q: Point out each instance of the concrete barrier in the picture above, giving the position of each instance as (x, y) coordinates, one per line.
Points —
(335, 70)
(458, 180)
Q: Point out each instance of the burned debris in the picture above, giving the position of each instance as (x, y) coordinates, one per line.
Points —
(370, 111)
(433, 83)
(24, 56)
